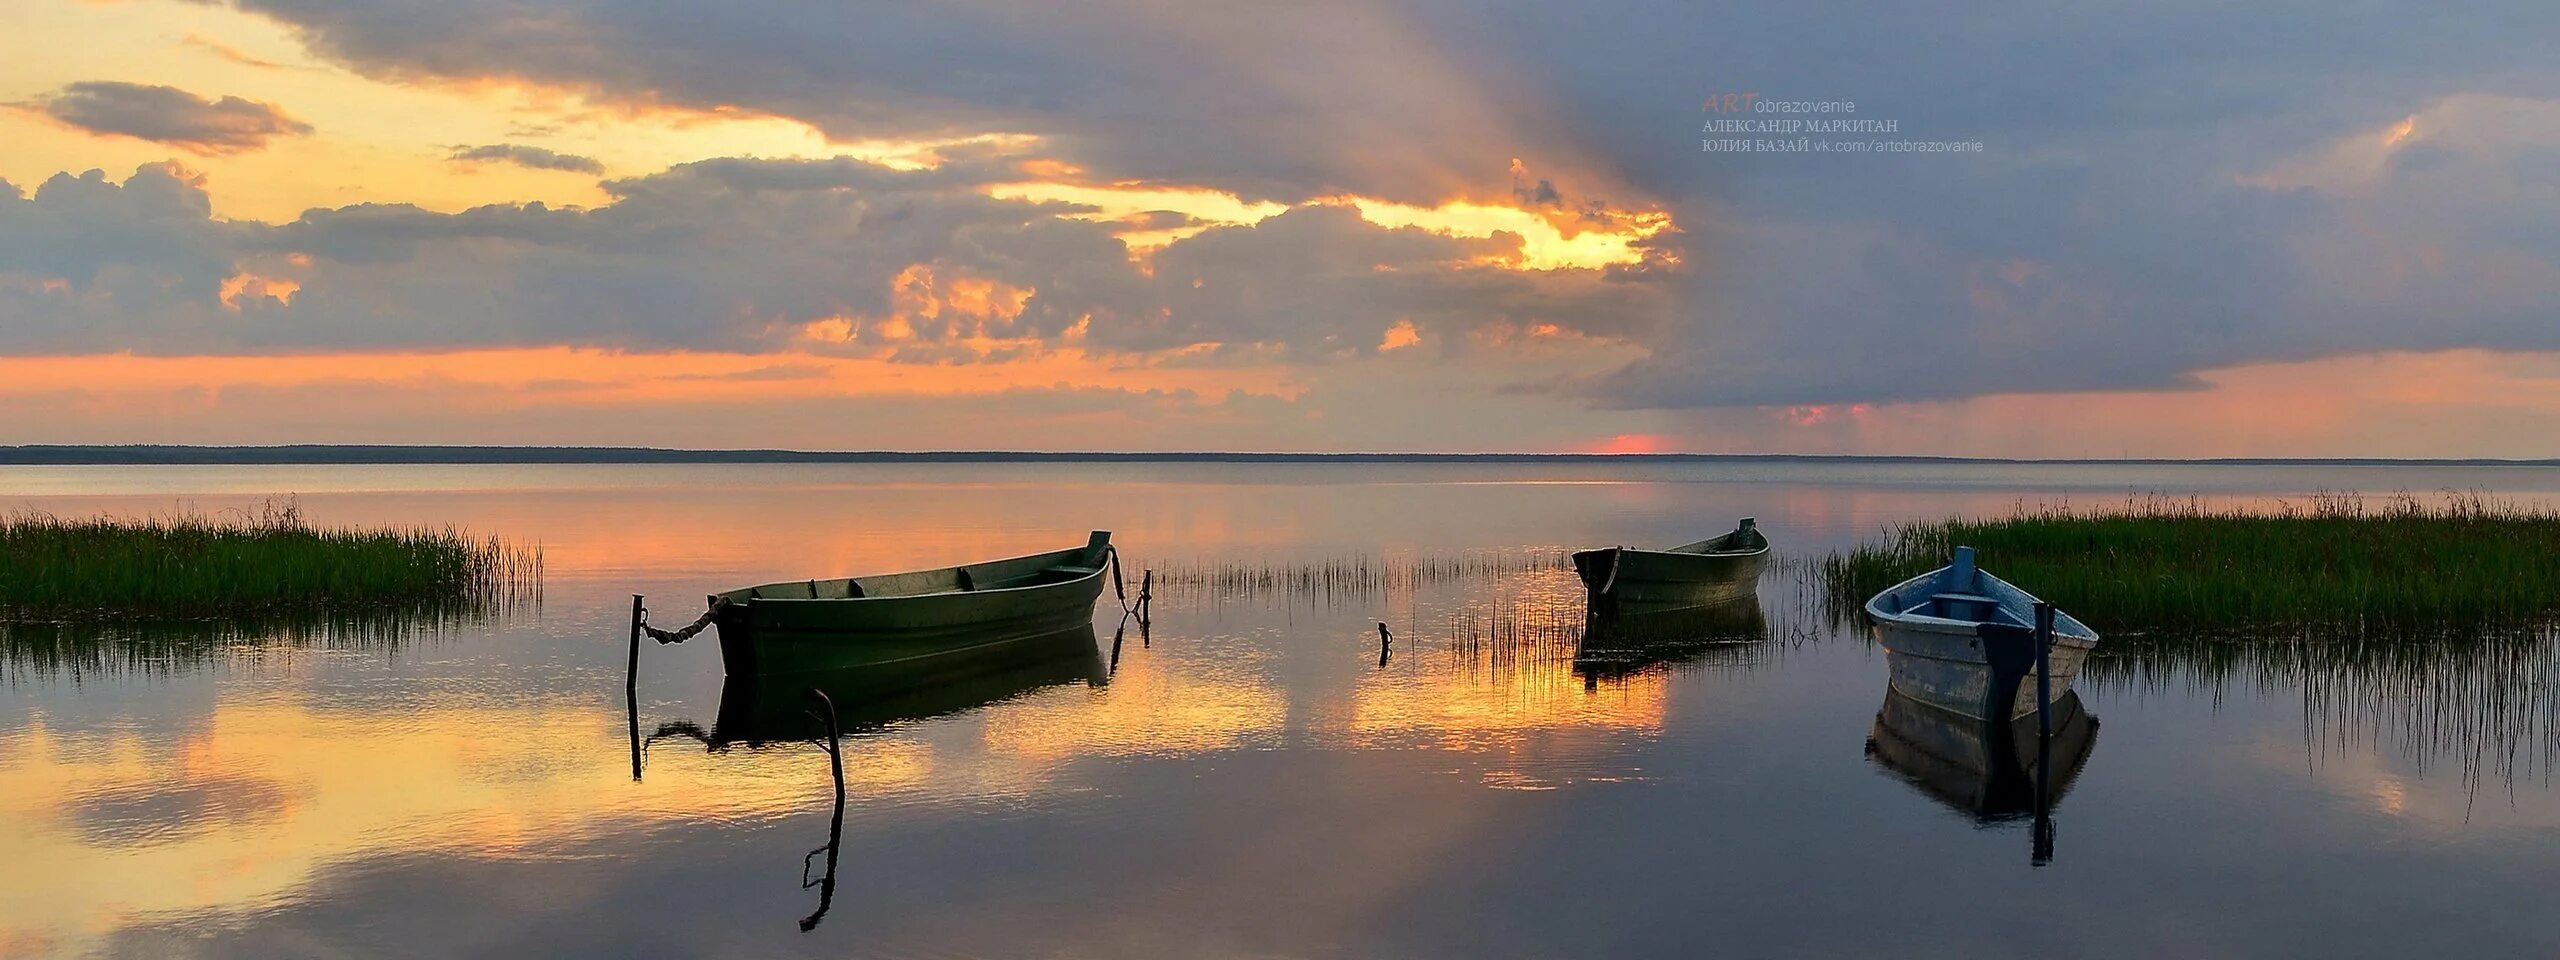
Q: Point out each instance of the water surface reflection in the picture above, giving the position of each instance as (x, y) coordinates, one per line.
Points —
(1246, 779)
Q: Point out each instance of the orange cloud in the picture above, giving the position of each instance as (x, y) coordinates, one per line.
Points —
(1400, 336)
(252, 287)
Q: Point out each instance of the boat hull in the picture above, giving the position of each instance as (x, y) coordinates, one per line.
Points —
(1652, 580)
(908, 620)
(1982, 671)
(788, 636)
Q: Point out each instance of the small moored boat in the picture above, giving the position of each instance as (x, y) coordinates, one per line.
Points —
(1710, 571)
(911, 619)
(1959, 639)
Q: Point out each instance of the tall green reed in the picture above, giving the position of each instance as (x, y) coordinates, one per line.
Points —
(2334, 560)
(258, 563)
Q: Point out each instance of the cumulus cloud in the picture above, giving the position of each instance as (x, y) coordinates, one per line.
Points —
(163, 114)
(530, 157)
(834, 256)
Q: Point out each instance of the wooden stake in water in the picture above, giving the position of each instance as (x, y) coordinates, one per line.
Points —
(2044, 669)
(835, 828)
(631, 684)
(2042, 853)
(1385, 640)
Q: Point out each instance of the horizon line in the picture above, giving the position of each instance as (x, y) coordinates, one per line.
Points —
(458, 454)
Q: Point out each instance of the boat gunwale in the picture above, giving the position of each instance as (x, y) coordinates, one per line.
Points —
(1762, 549)
(1098, 570)
(989, 591)
(2085, 636)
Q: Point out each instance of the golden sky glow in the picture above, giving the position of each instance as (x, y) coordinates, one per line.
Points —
(373, 141)
(573, 375)
(1548, 240)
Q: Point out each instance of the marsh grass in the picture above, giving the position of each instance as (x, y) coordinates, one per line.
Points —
(1339, 578)
(249, 566)
(2480, 699)
(2334, 562)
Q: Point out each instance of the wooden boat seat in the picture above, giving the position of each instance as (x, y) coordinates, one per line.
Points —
(1070, 571)
(1962, 606)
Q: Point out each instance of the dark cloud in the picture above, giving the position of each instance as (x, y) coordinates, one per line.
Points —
(168, 115)
(2106, 238)
(536, 158)
(96, 262)
(1280, 100)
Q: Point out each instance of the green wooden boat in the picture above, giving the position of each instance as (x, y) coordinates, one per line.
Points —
(1711, 571)
(909, 619)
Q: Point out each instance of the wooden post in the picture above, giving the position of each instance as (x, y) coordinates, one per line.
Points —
(1385, 640)
(2044, 669)
(631, 685)
(835, 828)
(2042, 843)
(1146, 595)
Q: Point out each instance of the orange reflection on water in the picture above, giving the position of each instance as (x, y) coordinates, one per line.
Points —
(1500, 704)
(244, 812)
(1145, 711)
(1503, 682)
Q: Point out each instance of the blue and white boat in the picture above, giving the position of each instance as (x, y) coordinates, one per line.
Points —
(1962, 640)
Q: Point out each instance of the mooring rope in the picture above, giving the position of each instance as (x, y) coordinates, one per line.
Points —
(678, 636)
(1142, 609)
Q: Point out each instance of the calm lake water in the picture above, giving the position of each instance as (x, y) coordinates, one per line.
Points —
(1246, 779)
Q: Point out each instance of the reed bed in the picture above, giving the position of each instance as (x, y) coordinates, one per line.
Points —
(248, 564)
(1357, 575)
(1509, 628)
(2335, 560)
(2482, 700)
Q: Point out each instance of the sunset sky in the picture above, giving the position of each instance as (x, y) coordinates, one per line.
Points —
(2191, 229)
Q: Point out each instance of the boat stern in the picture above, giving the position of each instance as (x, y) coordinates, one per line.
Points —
(1597, 568)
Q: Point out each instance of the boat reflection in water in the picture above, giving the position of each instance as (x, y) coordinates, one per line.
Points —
(757, 710)
(1623, 640)
(1992, 771)
(823, 706)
